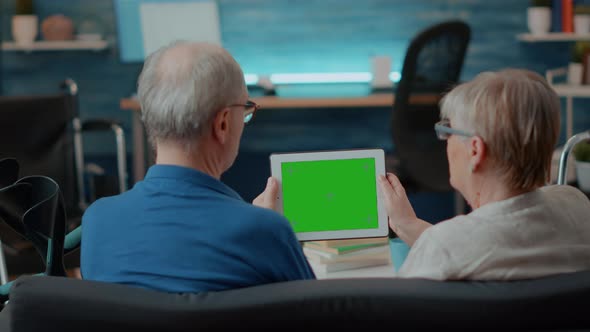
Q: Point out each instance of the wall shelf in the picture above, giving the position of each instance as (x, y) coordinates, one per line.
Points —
(567, 90)
(62, 45)
(552, 37)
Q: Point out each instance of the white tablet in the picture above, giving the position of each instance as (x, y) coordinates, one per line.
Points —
(331, 194)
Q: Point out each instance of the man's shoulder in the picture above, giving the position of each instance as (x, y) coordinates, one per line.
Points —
(259, 214)
(257, 217)
(109, 203)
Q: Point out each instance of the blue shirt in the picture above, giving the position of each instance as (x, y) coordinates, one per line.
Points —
(181, 230)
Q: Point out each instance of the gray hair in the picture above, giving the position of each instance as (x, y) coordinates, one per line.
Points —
(182, 86)
(517, 114)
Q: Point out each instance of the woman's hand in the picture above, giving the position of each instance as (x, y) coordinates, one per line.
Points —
(402, 218)
(268, 198)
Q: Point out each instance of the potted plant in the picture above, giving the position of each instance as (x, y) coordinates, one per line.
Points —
(582, 19)
(576, 67)
(24, 23)
(581, 153)
(539, 16)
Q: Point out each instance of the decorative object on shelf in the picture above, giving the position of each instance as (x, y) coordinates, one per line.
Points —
(582, 19)
(539, 16)
(57, 27)
(89, 30)
(567, 16)
(25, 23)
(581, 153)
(575, 72)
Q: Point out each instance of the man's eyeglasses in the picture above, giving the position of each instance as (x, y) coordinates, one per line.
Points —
(250, 108)
(444, 131)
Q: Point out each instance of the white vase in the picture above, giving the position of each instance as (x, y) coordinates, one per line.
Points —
(582, 23)
(539, 20)
(24, 29)
(583, 174)
(380, 69)
(574, 73)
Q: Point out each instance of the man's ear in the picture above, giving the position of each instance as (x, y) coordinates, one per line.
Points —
(220, 125)
(478, 152)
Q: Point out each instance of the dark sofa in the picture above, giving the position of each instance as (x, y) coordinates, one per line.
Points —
(559, 302)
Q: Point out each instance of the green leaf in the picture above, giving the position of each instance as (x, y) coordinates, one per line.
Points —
(582, 151)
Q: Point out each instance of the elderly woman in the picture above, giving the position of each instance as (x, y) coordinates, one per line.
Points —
(501, 129)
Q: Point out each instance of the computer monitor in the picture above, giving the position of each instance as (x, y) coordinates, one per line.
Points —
(143, 26)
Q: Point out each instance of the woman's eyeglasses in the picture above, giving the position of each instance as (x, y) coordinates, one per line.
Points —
(444, 131)
(250, 108)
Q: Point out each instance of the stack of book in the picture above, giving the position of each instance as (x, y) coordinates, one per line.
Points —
(339, 255)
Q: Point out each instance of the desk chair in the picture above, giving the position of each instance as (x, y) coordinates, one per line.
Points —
(51, 145)
(432, 65)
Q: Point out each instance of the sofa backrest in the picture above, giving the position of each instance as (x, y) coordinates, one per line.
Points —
(62, 304)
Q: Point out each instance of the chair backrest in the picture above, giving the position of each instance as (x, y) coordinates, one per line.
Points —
(37, 131)
(432, 65)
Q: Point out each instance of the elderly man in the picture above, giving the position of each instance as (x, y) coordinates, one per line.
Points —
(181, 229)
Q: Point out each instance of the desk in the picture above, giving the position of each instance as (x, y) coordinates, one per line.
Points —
(267, 103)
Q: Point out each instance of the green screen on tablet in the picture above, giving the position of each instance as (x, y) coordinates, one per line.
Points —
(330, 195)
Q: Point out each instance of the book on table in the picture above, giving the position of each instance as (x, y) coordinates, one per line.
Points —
(346, 246)
(342, 266)
(324, 258)
(350, 242)
(346, 257)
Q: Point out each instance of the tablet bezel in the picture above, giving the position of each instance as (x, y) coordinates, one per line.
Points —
(276, 159)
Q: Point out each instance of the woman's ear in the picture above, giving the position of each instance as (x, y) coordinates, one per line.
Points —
(478, 153)
(220, 125)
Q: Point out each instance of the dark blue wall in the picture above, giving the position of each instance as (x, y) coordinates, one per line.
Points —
(290, 36)
(283, 36)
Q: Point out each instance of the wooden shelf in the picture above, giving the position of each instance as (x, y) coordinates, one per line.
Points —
(552, 37)
(65, 45)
